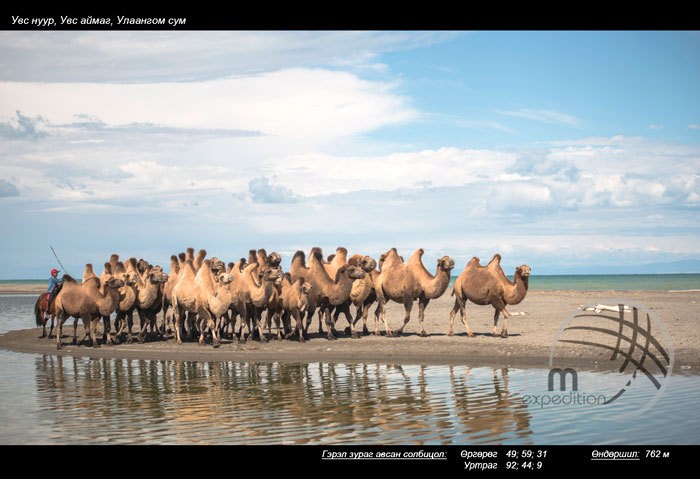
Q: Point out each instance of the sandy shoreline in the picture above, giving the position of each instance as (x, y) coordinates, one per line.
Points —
(529, 342)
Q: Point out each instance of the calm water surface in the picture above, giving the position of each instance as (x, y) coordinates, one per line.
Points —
(47, 399)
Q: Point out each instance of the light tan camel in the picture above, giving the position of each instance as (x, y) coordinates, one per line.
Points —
(84, 300)
(489, 285)
(173, 276)
(236, 286)
(405, 282)
(293, 302)
(193, 294)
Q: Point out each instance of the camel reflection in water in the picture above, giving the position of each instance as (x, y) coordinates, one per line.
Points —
(184, 402)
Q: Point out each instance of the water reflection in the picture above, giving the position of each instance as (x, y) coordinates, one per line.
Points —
(175, 402)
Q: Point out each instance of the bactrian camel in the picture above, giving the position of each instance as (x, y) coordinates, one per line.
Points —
(361, 295)
(326, 292)
(193, 294)
(405, 282)
(84, 300)
(489, 285)
(293, 302)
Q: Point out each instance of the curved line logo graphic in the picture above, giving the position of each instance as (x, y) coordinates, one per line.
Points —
(638, 344)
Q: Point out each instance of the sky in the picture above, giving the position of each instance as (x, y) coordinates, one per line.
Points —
(573, 152)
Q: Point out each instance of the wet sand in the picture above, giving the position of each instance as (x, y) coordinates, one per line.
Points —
(528, 344)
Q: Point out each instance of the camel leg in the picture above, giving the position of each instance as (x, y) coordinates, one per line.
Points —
(326, 312)
(106, 325)
(500, 307)
(422, 304)
(309, 316)
(463, 315)
(380, 311)
(142, 326)
(300, 325)
(365, 313)
(93, 329)
(177, 316)
(258, 324)
(61, 318)
(320, 321)
(208, 322)
(75, 330)
(408, 305)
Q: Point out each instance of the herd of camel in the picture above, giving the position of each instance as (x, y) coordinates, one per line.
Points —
(205, 296)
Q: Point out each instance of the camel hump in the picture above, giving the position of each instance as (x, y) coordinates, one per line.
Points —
(474, 262)
(189, 266)
(356, 260)
(68, 279)
(417, 255)
(108, 268)
(316, 253)
(495, 260)
(252, 256)
(190, 253)
(299, 256)
(341, 250)
(92, 281)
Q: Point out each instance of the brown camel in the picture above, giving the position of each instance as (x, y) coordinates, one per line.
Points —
(293, 302)
(405, 282)
(256, 295)
(489, 285)
(326, 292)
(84, 300)
(149, 298)
(127, 304)
(361, 295)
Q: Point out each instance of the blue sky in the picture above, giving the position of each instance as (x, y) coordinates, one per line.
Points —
(572, 152)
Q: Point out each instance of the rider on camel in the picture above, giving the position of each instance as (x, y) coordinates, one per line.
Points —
(54, 287)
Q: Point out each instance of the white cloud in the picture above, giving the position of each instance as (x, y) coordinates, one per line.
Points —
(313, 106)
(545, 116)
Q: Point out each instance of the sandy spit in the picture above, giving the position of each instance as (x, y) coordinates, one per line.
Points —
(528, 344)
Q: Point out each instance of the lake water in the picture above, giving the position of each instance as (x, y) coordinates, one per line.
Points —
(581, 282)
(46, 399)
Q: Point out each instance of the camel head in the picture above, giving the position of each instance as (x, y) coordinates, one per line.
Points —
(446, 263)
(141, 265)
(353, 272)
(274, 259)
(114, 283)
(157, 276)
(272, 274)
(523, 271)
(368, 264)
(224, 278)
(216, 264)
(131, 278)
(306, 288)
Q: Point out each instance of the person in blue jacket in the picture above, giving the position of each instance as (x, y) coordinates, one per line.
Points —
(54, 287)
